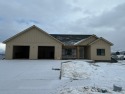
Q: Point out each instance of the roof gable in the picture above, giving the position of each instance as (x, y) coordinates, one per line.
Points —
(28, 29)
(102, 40)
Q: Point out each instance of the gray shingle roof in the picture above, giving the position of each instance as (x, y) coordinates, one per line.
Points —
(69, 39)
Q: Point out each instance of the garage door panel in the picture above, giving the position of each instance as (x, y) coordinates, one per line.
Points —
(21, 52)
(46, 52)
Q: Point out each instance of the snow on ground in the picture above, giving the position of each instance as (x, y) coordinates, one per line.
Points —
(103, 75)
(28, 76)
(88, 90)
(76, 70)
(78, 77)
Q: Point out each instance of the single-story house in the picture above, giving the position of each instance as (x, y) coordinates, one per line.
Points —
(34, 43)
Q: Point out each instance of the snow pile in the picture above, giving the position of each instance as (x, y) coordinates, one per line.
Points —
(76, 70)
(88, 90)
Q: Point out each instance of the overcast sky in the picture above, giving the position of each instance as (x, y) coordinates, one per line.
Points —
(105, 18)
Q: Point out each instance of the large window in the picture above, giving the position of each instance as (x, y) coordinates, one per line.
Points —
(68, 51)
(101, 52)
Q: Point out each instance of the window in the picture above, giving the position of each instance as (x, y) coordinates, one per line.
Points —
(68, 51)
(101, 52)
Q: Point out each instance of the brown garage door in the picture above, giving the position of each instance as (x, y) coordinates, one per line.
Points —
(46, 52)
(21, 52)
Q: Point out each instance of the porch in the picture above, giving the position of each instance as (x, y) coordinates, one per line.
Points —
(75, 52)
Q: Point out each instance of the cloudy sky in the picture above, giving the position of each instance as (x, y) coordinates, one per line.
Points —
(105, 18)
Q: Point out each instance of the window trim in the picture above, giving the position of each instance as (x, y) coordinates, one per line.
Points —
(100, 52)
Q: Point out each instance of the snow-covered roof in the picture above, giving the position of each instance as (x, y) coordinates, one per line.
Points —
(69, 39)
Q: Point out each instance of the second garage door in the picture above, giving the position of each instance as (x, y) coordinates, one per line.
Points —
(46, 52)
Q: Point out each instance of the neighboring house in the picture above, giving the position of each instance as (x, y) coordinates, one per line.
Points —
(119, 55)
(34, 43)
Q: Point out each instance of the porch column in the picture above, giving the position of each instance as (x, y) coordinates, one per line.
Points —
(77, 52)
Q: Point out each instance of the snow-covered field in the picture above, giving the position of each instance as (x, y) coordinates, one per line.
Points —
(78, 77)
(93, 76)
(28, 76)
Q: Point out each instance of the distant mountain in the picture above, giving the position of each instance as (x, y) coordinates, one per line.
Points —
(122, 52)
(2, 56)
(2, 48)
(2, 51)
(118, 53)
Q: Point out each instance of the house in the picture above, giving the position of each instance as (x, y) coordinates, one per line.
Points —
(34, 43)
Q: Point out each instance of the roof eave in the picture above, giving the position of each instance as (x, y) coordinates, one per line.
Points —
(77, 43)
(107, 41)
(28, 29)
(111, 44)
(17, 34)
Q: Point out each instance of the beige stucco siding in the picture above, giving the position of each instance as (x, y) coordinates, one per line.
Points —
(100, 45)
(88, 52)
(8, 51)
(33, 38)
(87, 41)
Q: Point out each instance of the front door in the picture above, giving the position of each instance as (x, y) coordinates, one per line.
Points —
(81, 52)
